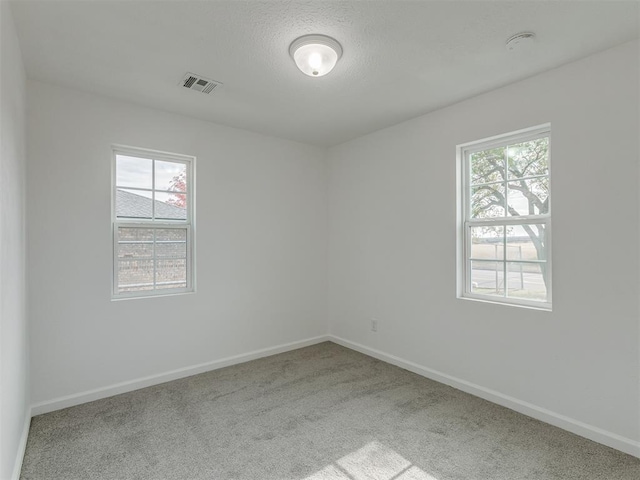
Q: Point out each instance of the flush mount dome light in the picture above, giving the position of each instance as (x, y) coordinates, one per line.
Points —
(315, 55)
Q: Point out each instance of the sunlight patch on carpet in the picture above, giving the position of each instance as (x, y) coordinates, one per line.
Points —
(374, 461)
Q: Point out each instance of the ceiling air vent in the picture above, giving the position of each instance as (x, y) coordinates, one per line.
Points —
(199, 84)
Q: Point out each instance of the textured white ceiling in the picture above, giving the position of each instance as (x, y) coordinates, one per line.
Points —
(401, 58)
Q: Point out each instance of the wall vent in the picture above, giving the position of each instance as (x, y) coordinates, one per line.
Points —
(199, 83)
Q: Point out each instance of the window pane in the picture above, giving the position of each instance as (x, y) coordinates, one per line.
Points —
(487, 166)
(133, 203)
(526, 242)
(526, 280)
(171, 176)
(135, 249)
(529, 197)
(171, 242)
(135, 275)
(171, 206)
(487, 278)
(487, 243)
(528, 159)
(133, 172)
(487, 201)
(171, 273)
(132, 233)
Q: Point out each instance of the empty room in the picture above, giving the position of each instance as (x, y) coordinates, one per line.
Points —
(319, 240)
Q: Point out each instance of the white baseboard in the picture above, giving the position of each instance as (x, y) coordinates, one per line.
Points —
(123, 387)
(22, 447)
(596, 434)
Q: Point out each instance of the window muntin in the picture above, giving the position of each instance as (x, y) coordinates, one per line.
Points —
(506, 218)
(152, 223)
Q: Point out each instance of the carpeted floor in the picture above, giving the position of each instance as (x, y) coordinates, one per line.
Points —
(318, 413)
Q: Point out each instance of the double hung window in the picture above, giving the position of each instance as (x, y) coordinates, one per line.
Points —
(152, 223)
(505, 229)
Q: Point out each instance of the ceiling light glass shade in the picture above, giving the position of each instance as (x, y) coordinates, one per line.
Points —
(315, 55)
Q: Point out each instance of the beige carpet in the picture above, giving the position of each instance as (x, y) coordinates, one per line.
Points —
(319, 413)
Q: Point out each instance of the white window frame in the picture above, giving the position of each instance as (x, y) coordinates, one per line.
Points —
(188, 224)
(465, 222)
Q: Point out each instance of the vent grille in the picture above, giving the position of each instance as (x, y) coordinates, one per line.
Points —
(199, 83)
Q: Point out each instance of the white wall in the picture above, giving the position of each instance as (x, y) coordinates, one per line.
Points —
(260, 234)
(14, 357)
(392, 246)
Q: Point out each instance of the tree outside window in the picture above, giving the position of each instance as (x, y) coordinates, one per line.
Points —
(507, 218)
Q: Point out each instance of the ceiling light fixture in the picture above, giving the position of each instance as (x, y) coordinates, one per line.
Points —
(315, 55)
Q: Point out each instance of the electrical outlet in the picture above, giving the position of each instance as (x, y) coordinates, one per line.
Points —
(374, 325)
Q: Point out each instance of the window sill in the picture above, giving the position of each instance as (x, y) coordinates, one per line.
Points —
(154, 295)
(544, 307)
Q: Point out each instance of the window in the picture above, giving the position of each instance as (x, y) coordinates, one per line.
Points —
(504, 250)
(152, 223)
